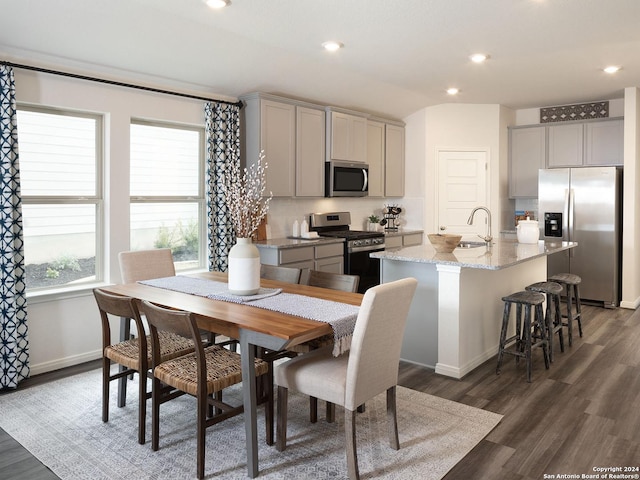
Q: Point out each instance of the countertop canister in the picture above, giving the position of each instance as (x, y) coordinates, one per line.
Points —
(528, 231)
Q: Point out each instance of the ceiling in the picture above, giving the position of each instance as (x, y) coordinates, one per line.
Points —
(399, 55)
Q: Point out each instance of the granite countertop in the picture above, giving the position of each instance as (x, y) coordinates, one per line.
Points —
(503, 253)
(296, 243)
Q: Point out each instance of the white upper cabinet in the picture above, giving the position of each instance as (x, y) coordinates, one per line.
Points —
(604, 143)
(376, 157)
(270, 126)
(394, 161)
(527, 150)
(310, 153)
(566, 143)
(347, 136)
(586, 144)
(292, 136)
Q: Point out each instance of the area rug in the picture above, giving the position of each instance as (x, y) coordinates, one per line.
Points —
(60, 424)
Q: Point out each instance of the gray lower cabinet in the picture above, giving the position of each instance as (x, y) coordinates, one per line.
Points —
(326, 258)
(400, 240)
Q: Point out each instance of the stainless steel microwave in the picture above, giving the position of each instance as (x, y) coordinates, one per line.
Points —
(346, 179)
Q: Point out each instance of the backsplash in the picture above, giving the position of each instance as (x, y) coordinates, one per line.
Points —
(284, 211)
(526, 205)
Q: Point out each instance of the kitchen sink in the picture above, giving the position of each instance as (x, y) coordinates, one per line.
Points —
(465, 244)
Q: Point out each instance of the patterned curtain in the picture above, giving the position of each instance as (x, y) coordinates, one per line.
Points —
(14, 346)
(222, 126)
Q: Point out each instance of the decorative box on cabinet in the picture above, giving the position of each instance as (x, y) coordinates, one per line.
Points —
(527, 151)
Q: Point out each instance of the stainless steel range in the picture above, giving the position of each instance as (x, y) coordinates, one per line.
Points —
(357, 247)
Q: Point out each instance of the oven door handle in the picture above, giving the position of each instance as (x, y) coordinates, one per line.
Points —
(367, 248)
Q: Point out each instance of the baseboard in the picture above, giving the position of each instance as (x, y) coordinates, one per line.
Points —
(630, 305)
(462, 370)
(36, 369)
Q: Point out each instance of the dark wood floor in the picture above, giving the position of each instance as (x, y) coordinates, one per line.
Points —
(583, 412)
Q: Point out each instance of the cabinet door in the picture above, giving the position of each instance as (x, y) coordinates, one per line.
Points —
(358, 139)
(604, 143)
(310, 144)
(375, 158)
(340, 136)
(392, 242)
(331, 264)
(394, 161)
(277, 140)
(526, 156)
(411, 239)
(565, 145)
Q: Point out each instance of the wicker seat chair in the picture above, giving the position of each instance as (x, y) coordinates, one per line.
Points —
(132, 355)
(204, 374)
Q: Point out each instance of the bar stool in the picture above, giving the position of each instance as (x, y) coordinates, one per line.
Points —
(522, 341)
(553, 317)
(570, 282)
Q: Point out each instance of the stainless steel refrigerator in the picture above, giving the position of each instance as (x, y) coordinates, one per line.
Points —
(584, 205)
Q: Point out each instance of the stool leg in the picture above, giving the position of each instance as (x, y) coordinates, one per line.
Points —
(578, 309)
(543, 335)
(503, 334)
(549, 325)
(519, 338)
(527, 340)
(569, 315)
(558, 321)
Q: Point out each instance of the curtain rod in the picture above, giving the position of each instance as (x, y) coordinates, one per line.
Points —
(118, 84)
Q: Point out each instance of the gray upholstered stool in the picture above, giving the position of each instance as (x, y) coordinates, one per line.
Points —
(553, 317)
(570, 282)
(521, 343)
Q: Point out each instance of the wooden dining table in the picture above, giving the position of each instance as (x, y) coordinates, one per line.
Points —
(251, 326)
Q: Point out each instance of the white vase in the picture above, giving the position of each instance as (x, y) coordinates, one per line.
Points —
(244, 268)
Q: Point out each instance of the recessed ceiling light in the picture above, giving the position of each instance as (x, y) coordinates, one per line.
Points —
(332, 46)
(217, 3)
(612, 69)
(452, 91)
(478, 57)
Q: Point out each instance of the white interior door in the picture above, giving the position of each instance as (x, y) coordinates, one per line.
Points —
(462, 185)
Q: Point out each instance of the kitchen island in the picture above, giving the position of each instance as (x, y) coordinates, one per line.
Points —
(455, 317)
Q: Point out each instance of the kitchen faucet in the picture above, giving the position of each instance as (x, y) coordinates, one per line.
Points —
(487, 238)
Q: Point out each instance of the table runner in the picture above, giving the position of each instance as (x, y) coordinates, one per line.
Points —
(341, 316)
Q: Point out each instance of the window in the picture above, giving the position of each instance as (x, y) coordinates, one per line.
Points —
(60, 165)
(167, 191)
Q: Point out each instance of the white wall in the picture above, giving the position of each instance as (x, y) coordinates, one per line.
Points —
(631, 209)
(458, 127)
(67, 331)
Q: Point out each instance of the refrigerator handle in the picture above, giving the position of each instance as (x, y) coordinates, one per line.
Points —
(571, 218)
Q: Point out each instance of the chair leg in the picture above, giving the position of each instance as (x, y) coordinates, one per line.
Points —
(155, 414)
(106, 366)
(331, 412)
(392, 418)
(281, 428)
(142, 406)
(503, 335)
(201, 429)
(569, 315)
(558, 321)
(313, 409)
(350, 433)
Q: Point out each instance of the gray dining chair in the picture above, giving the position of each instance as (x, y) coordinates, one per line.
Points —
(282, 274)
(349, 380)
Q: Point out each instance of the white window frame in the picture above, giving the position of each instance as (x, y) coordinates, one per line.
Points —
(199, 199)
(97, 200)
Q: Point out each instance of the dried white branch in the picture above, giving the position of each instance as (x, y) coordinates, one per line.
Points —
(244, 195)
